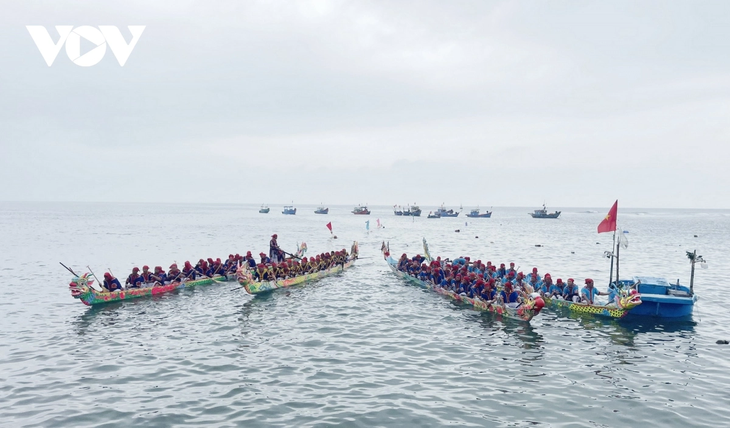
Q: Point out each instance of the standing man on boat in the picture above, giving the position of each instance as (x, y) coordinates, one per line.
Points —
(275, 253)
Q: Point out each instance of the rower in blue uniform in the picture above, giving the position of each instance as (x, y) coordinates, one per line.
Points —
(111, 283)
(588, 293)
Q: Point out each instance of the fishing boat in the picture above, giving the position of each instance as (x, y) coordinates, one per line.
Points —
(398, 211)
(322, 210)
(626, 302)
(264, 209)
(659, 298)
(289, 210)
(80, 287)
(361, 210)
(431, 214)
(443, 212)
(413, 210)
(476, 214)
(543, 213)
(524, 311)
(245, 276)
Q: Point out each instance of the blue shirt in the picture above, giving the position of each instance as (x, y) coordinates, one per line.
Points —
(590, 296)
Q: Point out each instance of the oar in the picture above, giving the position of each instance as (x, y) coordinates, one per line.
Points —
(69, 269)
(101, 284)
(292, 255)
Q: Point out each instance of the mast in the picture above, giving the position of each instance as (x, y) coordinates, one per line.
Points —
(618, 246)
(692, 275)
(610, 276)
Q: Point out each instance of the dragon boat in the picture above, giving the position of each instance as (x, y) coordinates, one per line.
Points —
(80, 287)
(625, 302)
(246, 279)
(524, 311)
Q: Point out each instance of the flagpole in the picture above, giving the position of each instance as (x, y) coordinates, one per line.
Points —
(610, 276)
(618, 246)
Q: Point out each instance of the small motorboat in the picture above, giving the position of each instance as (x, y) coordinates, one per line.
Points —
(476, 214)
(289, 210)
(322, 210)
(543, 213)
(264, 209)
(361, 210)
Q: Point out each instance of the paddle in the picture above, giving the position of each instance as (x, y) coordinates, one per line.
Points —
(69, 269)
(291, 255)
(101, 283)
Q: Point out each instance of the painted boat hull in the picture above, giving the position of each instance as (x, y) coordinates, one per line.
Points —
(596, 310)
(551, 215)
(254, 287)
(89, 296)
(324, 211)
(522, 313)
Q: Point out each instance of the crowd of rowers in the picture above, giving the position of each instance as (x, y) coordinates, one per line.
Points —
(491, 283)
(266, 269)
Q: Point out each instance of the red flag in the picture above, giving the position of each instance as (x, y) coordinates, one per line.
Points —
(609, 223)
(329, 226)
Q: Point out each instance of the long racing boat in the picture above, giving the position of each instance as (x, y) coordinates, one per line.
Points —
(524, 311)
(246, 279)
(80, 287)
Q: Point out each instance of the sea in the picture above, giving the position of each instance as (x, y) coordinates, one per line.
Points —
(361, 348)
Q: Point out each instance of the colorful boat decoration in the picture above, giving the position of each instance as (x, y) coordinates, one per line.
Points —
(443, 212)
(264, 209)
(543, 213)
(476, 214)
(245, 277)
(361, 210)
(289, 210)
(322, 210)
(81, 289)
(624, 304)
(524, 312)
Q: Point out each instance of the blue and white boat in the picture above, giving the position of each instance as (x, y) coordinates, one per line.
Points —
(543, 213)
(443, 212)
(289, 210)
(660, 298)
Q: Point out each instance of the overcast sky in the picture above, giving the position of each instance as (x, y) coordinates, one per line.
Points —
(393, 102)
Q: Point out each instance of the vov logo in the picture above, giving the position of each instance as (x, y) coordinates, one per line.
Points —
(101, 37)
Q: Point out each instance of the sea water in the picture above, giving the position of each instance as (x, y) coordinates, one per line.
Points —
(362, 348)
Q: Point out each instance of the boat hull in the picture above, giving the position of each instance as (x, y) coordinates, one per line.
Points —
(661, 299)
(523, 312)
(81, 289)
(324, 211)
(264, 211)
(551, 215)
(595, 310)
(256, 287)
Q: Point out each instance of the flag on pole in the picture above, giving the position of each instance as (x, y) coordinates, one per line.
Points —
(329, 226)
(367, 225)
(609, 222)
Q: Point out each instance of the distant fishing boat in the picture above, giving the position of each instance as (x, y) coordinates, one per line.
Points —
(264, 209)
(443, 212)
(289, 210)
(432, 215)
(476, 214)
(398, 211)
(322, 210)
(413, 210)
(543, 213)
(361, 210)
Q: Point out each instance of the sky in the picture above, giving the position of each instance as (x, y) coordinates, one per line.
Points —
(519, 103)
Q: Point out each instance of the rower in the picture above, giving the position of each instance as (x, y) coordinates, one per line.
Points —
(508, 294)
(133, 280)
(556, 290)
(146, 275)
(250, 260)
(174, 274)
(588, 293)
(264, 259)
(189, 271)
(111, 283)
(571, 292)
(159, 276)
